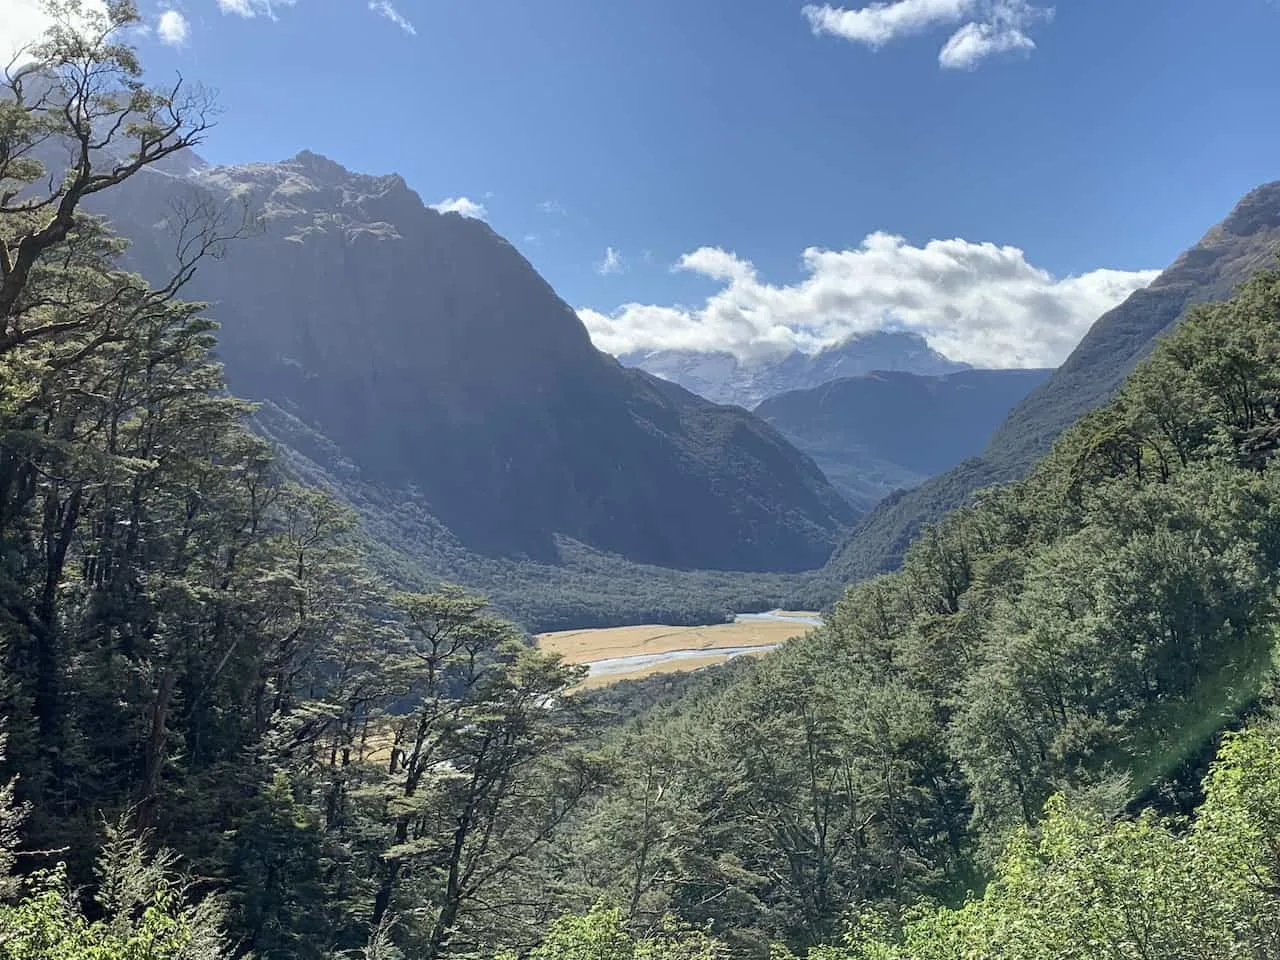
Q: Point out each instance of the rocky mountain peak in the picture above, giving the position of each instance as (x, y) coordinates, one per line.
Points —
(723, 378)
(1258, 210)
(319, 164)
(432, 356)
(310, 184)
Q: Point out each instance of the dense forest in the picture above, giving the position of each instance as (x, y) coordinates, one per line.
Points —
(1086, 632)
(1048, 735)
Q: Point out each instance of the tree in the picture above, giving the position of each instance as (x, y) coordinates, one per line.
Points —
(1084, 886)
(144, 907)
(478, 779)
(76, 100)
(601, 935)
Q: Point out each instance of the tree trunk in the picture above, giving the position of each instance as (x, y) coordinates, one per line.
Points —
(60, 523)
(156, 749)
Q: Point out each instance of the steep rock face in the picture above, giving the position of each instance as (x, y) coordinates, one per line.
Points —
(434, 357)
(1244, 242)
(724, 378)
(889, 430)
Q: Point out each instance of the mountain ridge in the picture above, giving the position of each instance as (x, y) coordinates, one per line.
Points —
(891, 430)
(722, 377)
(1244, 241)
(432, 354)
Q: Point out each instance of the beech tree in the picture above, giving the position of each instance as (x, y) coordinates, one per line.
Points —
(76, 118)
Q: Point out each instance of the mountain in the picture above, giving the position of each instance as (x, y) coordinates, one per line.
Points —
(723, 378)
(1241, 244)
(890, 430)
(432, 361)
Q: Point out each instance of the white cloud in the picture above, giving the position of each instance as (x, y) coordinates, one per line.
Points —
(987, 27)
(878, 23)
(976, 302)
(717, 264)
(384, 9)
(1003, 31)
(254, 8)
(464, 206)
(612, 262)
(974, 42)
(172, 28)
(24, 22)
(552, 206)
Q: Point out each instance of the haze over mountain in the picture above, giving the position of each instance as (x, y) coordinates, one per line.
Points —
(722, 377)
(435, 361)
(1244, 242)
(886, 431)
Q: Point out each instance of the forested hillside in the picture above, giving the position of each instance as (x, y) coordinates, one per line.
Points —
(1244, 242)
(1088, 630)
(225, 737)
(579, 587)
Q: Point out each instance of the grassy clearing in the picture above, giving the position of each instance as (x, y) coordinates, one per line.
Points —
(671, 666)
(608, 643)
(587, 646)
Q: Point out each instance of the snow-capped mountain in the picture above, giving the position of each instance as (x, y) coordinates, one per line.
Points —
(724, 378)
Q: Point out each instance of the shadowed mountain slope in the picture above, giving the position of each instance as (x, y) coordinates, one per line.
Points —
(438, 362)
(885, 431)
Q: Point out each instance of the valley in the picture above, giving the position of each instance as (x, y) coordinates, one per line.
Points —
(365, 595)
(629, 653)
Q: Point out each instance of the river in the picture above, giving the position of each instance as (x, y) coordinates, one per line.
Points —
(636, 663)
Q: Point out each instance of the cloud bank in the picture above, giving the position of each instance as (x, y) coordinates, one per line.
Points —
(977, 302)
(267, 9)
(464, 206)
(877, 24)
(253, 8)
(986, 27)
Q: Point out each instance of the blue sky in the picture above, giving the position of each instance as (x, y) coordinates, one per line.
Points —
(1110, 134)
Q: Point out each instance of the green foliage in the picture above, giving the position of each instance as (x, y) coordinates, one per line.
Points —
(143, 909)
(1083, 886)
(186, 636)
(1090, 377)
(602, 935)
(1088, 630)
